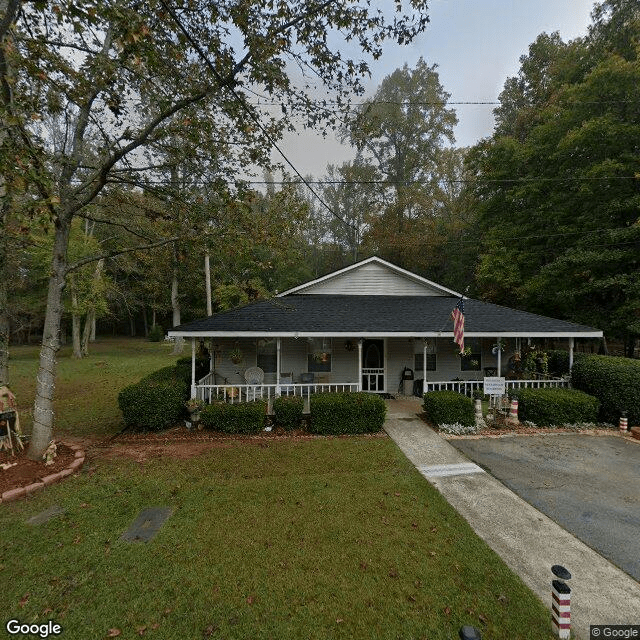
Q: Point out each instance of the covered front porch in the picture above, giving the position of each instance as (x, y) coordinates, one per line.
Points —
(247, 369)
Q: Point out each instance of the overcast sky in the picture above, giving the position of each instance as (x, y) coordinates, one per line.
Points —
(476, 45)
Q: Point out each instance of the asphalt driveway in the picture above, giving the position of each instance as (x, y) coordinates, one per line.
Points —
(590, 485)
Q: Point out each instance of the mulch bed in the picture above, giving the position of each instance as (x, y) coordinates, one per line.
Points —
(27, 471)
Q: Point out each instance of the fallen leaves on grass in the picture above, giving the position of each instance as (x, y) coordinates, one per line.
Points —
(210, 630)
(114, 633)
(251, 599)
(24, 600)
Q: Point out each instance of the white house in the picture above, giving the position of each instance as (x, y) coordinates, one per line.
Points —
(360, 328)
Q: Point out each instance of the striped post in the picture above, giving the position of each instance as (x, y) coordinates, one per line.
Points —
(513, 411)
(624, 422)
(561, 602)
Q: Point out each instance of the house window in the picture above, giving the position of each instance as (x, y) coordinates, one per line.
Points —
(431, 362)
(472, 362)
(267, 355)
(319, 356)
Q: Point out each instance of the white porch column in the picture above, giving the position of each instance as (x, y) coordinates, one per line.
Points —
(571, 343)
(424, 366)
(360, 365)
(212, 356)
(193, 367)
(278, 345)
(499, 354)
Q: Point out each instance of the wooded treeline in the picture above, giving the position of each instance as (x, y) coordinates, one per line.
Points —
(127, 128)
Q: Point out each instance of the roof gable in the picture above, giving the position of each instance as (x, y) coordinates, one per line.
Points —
(373, 276)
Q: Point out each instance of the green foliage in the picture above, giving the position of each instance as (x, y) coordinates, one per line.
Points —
(347, 413)
(614, 381)
(154, 403)
(449, 407)
(556, 200)
(156, 334)
(288, 411)
(244, 417)
(183, 369)
(157, 401)
(556, 407)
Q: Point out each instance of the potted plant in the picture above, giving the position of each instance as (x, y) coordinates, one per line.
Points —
(235, 355)
(194, 407)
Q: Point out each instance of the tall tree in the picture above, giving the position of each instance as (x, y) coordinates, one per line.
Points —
(402, 131)
(131, 75)
(558, 200)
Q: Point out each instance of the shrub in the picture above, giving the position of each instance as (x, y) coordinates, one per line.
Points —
(549, 407)
(156, 334)
(614, 381)
(288, 411)
(153, 403)
(558, 362)
(157, 400)
(183, 369)
(449, 407)
(347, 413)
(245, 417)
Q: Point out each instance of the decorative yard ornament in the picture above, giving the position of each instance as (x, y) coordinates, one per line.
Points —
(10, 432)
(50, 453)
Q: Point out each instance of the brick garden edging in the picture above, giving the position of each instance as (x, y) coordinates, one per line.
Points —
(21, 492)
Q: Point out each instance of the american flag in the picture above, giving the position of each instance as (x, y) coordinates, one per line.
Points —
(457, 315)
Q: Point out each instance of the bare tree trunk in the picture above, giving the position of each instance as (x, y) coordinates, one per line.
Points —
(207, 281)
(92, 337)
(90, 321)
(146, 324)
(86, 333)
(132, 326)
(75, 321)
(4, 310)
(46, 378)
(153, 319)
(175, 304)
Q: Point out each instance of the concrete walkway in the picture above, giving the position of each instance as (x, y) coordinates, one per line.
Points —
(527, 540)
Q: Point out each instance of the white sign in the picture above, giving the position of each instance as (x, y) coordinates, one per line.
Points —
(494, 386)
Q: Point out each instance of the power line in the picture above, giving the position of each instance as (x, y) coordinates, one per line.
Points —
(249, 111)
(408, 183)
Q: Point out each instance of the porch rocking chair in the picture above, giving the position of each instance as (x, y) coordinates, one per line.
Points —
(255, 377)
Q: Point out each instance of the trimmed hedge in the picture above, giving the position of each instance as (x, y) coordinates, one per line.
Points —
(288, 411)
(449, 407)
(154, 403)
(246, 417)
(555, 407)
(347, 413)
(614, 381)
(183, 368)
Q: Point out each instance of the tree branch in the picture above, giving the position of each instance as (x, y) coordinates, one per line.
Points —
(111, 254)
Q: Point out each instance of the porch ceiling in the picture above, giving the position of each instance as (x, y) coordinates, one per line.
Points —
(376, 316)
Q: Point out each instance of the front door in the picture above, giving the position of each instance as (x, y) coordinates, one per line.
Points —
(373, 366)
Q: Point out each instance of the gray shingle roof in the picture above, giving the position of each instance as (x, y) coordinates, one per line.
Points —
(384, 315)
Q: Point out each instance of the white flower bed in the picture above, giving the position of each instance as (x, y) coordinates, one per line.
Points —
(457, 429)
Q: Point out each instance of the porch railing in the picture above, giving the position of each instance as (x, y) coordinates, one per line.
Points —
(467, 387)
(236, 393)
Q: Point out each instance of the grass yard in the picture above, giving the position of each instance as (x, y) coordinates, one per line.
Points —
(323, 538)
(86, 395)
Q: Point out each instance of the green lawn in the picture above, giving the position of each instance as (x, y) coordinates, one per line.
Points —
(87, 390)
(324, 538)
